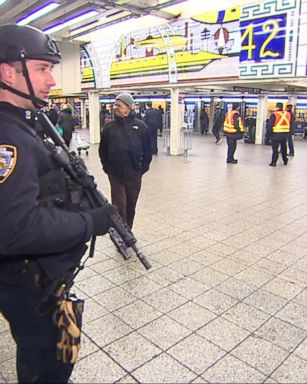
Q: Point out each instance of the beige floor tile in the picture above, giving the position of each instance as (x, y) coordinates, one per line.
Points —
(164, 276)
(236, 288)
(301, 351)
(246, 316)
(163, 369)
(260, 354)
(103, 369)
(282, 334)
(230, 370)
(209, 277)
(132, 351)
(188, 288)
(265, 301)
(295, 314)
(205, 257)
(8, 348)
(92, 311)
(105, 265)
(114, 298)
(106, 330)
(94, 285)
(164, 300)
(87, 347)
(283, 288)
(192, 315)
(137, 314)
(186, 267)
(141, 286)
(215, 301)
(164, 332)
(223, 333)
(293, 370)
(121, 275)
(8, 370)
(196, 353)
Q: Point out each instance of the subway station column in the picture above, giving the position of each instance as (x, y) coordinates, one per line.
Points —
(176, 123)
(262, 112)
(83, 113)
(94, 110)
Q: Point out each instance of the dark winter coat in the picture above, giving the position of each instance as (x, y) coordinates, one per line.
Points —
(125, 148)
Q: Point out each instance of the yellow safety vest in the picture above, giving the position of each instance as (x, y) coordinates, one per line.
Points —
(282, 122)
(229, 123)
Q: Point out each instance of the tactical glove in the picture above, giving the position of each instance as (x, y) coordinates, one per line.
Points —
(101, 219)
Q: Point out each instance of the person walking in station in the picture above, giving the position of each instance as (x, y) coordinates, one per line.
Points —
(278, 130)
(204, 121)
(152, 119)
(125, 152)
(40, 239)
(219, 117)
(289, 108)
(233, 130)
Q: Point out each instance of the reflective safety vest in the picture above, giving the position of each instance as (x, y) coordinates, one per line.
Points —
(229, 123)
(282, 122)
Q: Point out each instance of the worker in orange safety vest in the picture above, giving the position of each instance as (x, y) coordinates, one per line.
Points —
(233, 130)
(278, 130)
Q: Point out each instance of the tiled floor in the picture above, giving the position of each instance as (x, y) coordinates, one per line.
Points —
(225, 300)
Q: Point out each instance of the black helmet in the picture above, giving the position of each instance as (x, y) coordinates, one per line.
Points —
(18, 42)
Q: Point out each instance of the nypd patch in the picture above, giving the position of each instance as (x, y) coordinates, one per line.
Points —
(8, 158)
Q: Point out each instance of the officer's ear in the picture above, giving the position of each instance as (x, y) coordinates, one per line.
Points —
(8, 72)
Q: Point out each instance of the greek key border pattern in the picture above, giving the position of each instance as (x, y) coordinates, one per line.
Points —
(266, 70)
(268, 8)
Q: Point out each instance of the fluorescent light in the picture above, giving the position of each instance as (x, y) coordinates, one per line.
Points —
(37, 13)
(2, 1)
(83, 28)
(74, 20)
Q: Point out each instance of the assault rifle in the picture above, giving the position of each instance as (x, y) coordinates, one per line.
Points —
(74, 166)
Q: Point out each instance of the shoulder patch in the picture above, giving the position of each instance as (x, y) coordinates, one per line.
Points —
(8, 158)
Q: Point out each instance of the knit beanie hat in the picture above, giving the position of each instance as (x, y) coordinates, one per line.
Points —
(125, 98)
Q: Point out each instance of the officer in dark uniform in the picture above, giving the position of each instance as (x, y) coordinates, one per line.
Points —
(38, 241)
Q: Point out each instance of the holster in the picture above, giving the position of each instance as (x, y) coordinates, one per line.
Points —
(68, 318)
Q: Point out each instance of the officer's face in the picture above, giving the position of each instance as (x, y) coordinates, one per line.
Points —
(121, 109)
(41, 76)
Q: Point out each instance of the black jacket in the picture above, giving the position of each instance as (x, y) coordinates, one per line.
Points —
(125, 148)
(52, 237)
(68, 124)
(153, 119)
(219, 118)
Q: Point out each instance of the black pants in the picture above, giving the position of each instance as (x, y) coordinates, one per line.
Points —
(204, 128)
(232, 146)
(216, 132)
(283, 148)
(35, 337)
(124, 194)
(154, 140)
(290, 144)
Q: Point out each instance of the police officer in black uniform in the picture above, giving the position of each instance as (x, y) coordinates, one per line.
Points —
(38, 241)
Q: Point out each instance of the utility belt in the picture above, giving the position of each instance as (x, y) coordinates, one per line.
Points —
(22, 272)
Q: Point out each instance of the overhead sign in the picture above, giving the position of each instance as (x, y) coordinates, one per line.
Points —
(254, 91)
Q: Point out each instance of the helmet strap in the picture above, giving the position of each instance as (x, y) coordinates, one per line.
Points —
(37, 102)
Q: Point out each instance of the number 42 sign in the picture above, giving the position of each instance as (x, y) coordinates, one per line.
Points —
(263, 39)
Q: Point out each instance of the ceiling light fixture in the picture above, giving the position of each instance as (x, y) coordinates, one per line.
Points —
(38, 13)
(2, 1)
(83, 28)
(74, 20)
